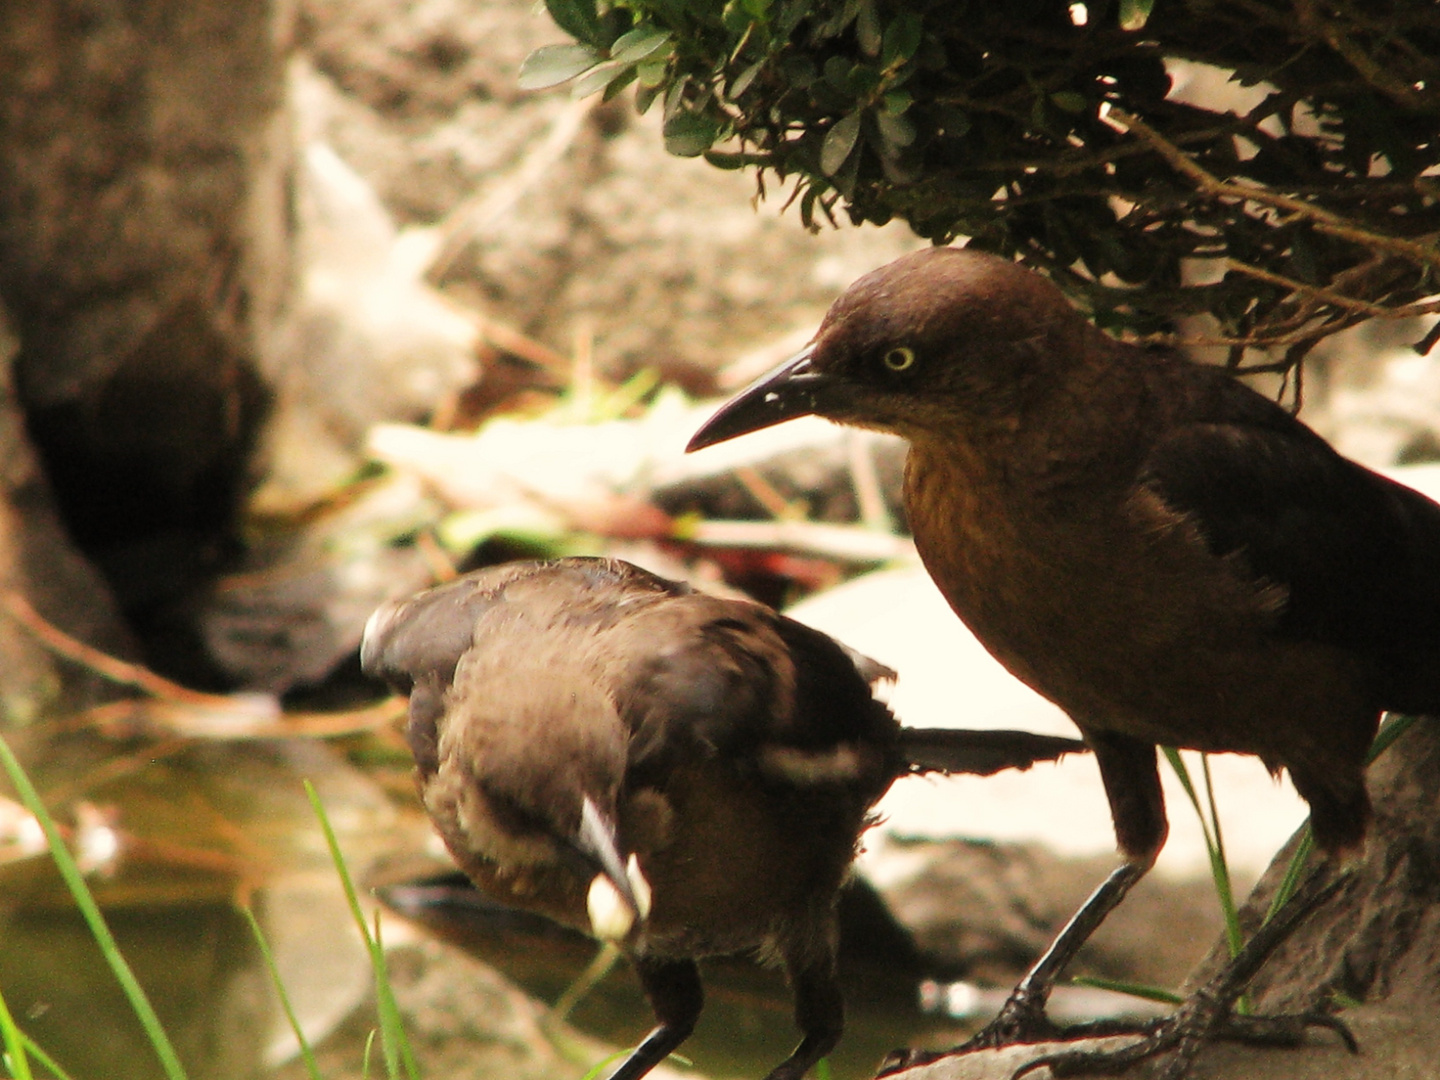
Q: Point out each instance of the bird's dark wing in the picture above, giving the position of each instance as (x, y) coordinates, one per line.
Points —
(704, 676)
(427, 634)
(731, 677)
(1357, 554)
(415, 645)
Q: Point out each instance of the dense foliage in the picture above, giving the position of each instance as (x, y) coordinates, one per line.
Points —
(1045, 132)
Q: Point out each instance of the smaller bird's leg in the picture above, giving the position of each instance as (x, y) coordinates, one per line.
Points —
(673, 990)
(819, 1014)
(1206, 1014)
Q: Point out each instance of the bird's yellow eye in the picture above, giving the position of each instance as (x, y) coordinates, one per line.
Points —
(899, 358)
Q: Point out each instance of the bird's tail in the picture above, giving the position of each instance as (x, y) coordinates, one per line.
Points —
(953, 750)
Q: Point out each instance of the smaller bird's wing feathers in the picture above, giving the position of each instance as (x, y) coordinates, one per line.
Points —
(1358, 554)
(710, 675)
(979, 753)
(428, 633)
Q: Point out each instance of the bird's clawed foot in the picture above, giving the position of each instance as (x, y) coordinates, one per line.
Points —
(1202, 1018)
(1198, 1021)
(1208, 1013)
(1022, 1020)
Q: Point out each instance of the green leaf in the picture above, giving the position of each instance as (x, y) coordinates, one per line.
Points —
(578, 18)
(902, 38)
(551, 65)
(690, 134)
(867, 28)
(736, 18)
(645, 96)
(1134, 14)
(614, 86)
(863, 80)
(839, 142)
(745, 78)
(637, 44)
(896, 130)
(652, 72)
(897, 101)
(837, 72)
(731, 161)
(597, 78)
(1069, 100)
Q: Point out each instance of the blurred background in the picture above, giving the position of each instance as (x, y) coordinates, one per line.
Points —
(305, 306)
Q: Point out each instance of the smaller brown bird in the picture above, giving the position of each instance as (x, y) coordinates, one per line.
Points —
(681, 774)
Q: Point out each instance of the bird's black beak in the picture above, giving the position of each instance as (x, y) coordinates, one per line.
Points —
(783, 394)
(619, 894)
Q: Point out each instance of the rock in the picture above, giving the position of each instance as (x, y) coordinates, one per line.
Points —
(464, 1022)
(984, 911)
(1396, 1045)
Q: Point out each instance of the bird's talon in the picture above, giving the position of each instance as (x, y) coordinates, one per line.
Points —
(907, 1058)
(1338, 1026)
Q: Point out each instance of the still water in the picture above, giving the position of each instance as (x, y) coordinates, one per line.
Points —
(206, 828)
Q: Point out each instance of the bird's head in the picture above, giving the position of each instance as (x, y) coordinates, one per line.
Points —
(937, 337)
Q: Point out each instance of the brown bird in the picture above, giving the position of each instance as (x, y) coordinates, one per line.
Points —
(1169, 556)
(681, 774)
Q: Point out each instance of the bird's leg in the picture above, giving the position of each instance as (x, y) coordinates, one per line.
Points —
(1131, 777)
(673, 990)
(1206, 1014)
(1022, 1019)
(819, 1014)
(1132, 783)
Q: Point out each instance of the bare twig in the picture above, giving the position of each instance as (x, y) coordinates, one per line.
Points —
(802, 537)
(118, 671)
(480, 212)
(1322, 219)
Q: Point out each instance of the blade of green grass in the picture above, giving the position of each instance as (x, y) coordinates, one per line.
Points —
(1143, 991)
(19, 1048)
(308, 1055)
(45, 1059)
(1220, 865)
(367, 1055)
(90, 911)
(602, 1063)
(599, 966)
(1395, 725)
(17, 1061)
(393, 1041)
(1214, 845)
